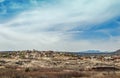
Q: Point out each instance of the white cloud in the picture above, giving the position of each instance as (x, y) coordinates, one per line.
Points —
(46, 27)
(2, 1)
(70, 12)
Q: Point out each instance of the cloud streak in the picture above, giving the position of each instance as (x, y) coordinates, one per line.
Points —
(68, 25)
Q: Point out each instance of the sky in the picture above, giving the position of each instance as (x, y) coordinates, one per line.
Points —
(60, 25)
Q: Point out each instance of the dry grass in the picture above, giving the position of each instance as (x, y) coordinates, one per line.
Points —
(53, 73)
(39, 73)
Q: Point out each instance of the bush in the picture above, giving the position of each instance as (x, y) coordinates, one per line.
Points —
(27, 69)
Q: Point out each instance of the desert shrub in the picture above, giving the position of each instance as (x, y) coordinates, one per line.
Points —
(19, 63)
(22, 56)
(27, 69)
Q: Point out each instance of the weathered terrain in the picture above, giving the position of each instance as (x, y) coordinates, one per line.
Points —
(44, 64)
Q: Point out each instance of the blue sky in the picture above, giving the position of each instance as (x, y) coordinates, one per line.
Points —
(62, 25)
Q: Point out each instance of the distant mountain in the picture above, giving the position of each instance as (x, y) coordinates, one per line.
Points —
(117, 52)
(97, 52)
(91, 51)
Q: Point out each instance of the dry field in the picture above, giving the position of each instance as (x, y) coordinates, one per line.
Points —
(55, 73)
(57, 65)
